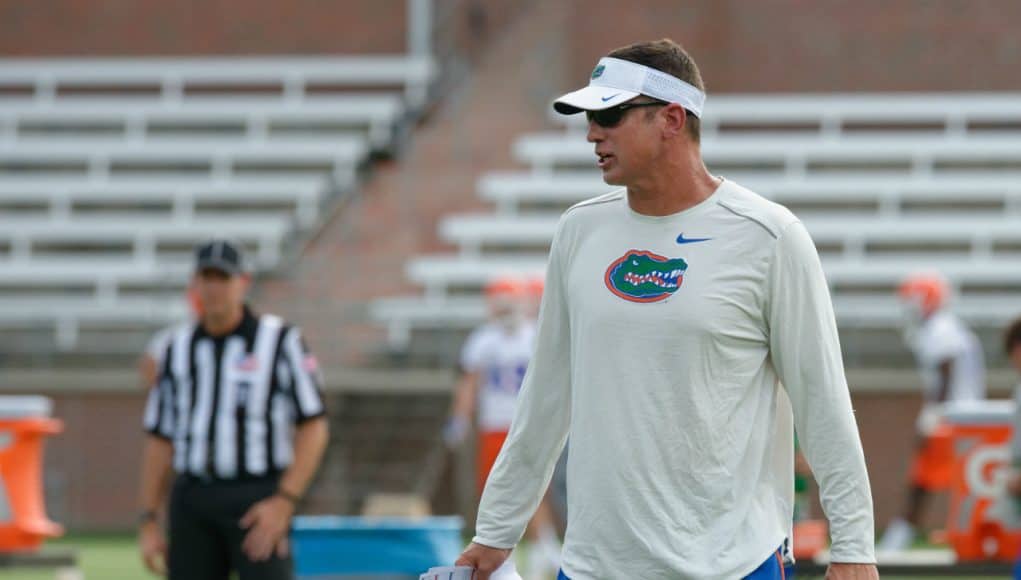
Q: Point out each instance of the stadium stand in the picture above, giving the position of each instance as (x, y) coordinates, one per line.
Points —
(111, 169)
(881, 182)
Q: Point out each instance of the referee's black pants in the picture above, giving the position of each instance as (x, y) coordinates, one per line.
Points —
(205, 535)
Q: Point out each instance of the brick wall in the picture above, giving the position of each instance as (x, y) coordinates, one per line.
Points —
(240, 27)
(817, 46)
(200, 27)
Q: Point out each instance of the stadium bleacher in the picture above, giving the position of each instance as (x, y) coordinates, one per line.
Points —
(111, 169)
(881, 181)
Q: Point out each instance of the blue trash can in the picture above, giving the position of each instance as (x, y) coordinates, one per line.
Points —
(350, 547)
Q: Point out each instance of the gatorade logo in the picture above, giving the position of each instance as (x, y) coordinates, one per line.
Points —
(985, 471)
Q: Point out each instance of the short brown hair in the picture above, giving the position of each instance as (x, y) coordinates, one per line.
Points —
(667, 56)
(1012, 337)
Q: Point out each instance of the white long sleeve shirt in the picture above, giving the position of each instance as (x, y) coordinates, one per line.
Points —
(661, 349)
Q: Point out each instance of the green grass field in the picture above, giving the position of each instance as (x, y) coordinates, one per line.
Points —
(101, 557)
(115, 557)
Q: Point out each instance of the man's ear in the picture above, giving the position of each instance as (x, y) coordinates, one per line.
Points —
(676, 120)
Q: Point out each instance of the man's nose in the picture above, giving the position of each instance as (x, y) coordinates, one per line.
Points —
(595, 133)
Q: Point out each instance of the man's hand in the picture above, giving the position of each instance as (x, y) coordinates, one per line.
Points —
(455, 431)
(267, 523)
(484, 559)
(838, 571)
(153, 545)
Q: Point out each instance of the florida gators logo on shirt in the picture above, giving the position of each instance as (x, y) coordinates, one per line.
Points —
(641, 276)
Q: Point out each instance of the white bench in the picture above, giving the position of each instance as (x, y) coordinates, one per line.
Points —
(61, 198)
(221, 159)
(255, 118)
(437, 273)
(174, 78)
(66, 318)
(144, 233)
(126, 311)
(103, 277)
(70, 272)
(402, 315)
(797, 156)
(834, 114)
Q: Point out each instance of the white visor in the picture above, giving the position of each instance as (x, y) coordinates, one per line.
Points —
(615, 81)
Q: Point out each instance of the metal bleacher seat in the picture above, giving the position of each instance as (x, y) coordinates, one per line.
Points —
(886, 185)
(111, 169)
(173, 79)
(219, 159)
(133, 118)
(141, 234)
(178, 199)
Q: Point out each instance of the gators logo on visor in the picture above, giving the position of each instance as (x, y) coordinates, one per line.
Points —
(641, 276)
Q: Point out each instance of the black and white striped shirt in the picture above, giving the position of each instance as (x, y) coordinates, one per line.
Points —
(229, 404)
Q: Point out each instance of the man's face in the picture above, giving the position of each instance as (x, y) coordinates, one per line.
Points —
(219, 292)
(629, 149)
(1015, 356)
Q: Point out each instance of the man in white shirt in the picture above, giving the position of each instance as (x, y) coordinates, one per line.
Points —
(952, 367)
(674, 308)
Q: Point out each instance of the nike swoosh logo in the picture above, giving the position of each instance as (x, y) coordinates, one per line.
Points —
(683, 240)
(605, 99)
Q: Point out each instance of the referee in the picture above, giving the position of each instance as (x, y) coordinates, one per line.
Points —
(237, 415)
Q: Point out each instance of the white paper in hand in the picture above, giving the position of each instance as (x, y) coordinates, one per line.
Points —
(505, 572)
(448, 573)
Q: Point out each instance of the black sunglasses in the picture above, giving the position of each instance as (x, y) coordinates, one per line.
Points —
(608, 118)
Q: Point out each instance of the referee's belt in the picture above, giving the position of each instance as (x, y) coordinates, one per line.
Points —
(192, 478)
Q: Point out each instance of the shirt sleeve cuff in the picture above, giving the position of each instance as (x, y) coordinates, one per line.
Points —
(491, 543)
(300, 419)
(157, 433)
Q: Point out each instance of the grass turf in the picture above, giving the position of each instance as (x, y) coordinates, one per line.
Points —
(100, 556)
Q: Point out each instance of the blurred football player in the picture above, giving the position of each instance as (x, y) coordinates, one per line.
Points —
(951, 363)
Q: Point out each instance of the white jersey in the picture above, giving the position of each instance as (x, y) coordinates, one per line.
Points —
(661, 347)
(944, 337)
(501, 357)
(159, 342)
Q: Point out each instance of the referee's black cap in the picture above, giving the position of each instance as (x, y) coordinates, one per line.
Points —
(220, 254)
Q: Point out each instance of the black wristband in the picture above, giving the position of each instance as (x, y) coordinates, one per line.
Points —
(294, 499)
(146, 517)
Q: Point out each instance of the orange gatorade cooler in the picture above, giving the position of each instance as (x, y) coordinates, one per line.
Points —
(983, 521)
(24, 423)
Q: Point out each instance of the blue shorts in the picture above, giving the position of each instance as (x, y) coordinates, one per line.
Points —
(771, 569)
